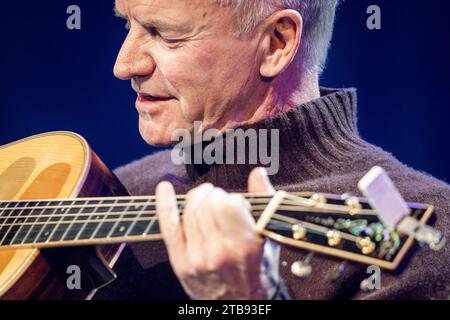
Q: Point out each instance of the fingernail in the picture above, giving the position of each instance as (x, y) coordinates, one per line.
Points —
(164, 187)
(264, 174)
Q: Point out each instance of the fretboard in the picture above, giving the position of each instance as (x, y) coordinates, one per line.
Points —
(50, 223)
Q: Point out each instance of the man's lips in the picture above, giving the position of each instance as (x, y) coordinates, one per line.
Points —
(143, 97)
(150, 104)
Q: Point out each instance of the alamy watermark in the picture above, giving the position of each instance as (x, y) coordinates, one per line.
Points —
(374, 20)
(73, 281)
(373, 282)
(73, 21)
(250, 146)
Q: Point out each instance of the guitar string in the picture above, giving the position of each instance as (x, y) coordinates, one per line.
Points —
(88, 215)
(114, 205)
(82, 207)
(147, 200)
(99, 205)
(322, 208)
(124, 198)
(257, 212)
(110, 213)
(323, 231)
(308, 226)
(38, 232)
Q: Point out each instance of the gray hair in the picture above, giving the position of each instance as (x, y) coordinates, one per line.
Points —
(318, 21)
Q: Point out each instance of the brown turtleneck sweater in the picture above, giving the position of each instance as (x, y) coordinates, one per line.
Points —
(320, 151)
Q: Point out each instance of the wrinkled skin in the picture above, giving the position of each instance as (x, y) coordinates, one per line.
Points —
(186, 64)
(215, 248)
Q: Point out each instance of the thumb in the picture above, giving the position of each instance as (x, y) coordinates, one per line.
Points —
(258, 182)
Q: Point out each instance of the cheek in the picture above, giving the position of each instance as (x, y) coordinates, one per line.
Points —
(187, 78)
(207, 78)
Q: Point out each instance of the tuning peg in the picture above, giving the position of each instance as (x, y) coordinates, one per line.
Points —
(318, 199)
(303, 269)
(298, 232)
(334, 238)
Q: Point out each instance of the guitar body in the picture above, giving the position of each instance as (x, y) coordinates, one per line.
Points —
(54, 166)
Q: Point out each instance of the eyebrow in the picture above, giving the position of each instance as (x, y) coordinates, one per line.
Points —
(156, 24)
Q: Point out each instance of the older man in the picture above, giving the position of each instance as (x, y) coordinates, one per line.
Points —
(255, 65)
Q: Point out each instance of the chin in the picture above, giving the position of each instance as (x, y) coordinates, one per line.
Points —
(153, 136)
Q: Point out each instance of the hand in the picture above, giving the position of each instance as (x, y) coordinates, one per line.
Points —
(215, 249)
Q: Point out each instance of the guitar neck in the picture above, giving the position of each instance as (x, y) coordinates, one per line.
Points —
(87, 221)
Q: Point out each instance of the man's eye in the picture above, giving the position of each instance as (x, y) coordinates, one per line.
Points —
(154, 32)
(172, 41)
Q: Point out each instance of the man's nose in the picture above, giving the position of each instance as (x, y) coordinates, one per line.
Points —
(133, 60)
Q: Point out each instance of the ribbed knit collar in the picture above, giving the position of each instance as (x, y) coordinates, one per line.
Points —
(315, 139)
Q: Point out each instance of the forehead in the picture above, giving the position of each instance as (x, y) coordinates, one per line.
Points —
(174, 8)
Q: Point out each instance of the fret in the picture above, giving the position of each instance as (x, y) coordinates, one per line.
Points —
(15, 226)
(5, 212)
(37, 221)
(50, 224)
(152, 228)
(3, 205)
(64, 223)
(76, 219)
(122, 210)
(24, 229)
(133, 224)
(41, 222)
(122, 227)
(59, 227)
(6, 221)
(105, 227)
(139, 228)
(93, 221)
(101, 222)
(74, 228)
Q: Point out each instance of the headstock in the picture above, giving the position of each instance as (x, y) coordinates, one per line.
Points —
(340, 226)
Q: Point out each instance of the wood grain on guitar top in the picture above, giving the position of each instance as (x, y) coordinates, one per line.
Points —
(53, 166)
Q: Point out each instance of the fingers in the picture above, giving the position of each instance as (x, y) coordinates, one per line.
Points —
(258, 182)
(195, 218)
(214, 249)
(234, 214)
(205, 215)
(237, 228)
(169, 220)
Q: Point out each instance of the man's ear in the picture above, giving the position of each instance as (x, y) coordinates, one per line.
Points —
(282, 34)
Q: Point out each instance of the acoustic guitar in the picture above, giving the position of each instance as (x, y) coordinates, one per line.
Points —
(60, 206)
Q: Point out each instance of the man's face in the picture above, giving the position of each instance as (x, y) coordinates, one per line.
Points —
(186, 65)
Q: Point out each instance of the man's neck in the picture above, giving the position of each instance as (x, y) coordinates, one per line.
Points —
(280, 96)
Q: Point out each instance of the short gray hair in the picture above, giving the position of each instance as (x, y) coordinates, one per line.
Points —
(318, 21)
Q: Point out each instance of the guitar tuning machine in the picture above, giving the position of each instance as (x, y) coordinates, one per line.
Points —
(352, 202)
(366, 245)
(298, 232)
(318, 200)
(334, 238)
(303, 269)
(394, 212)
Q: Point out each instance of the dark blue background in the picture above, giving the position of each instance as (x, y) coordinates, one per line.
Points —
(56, 79)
